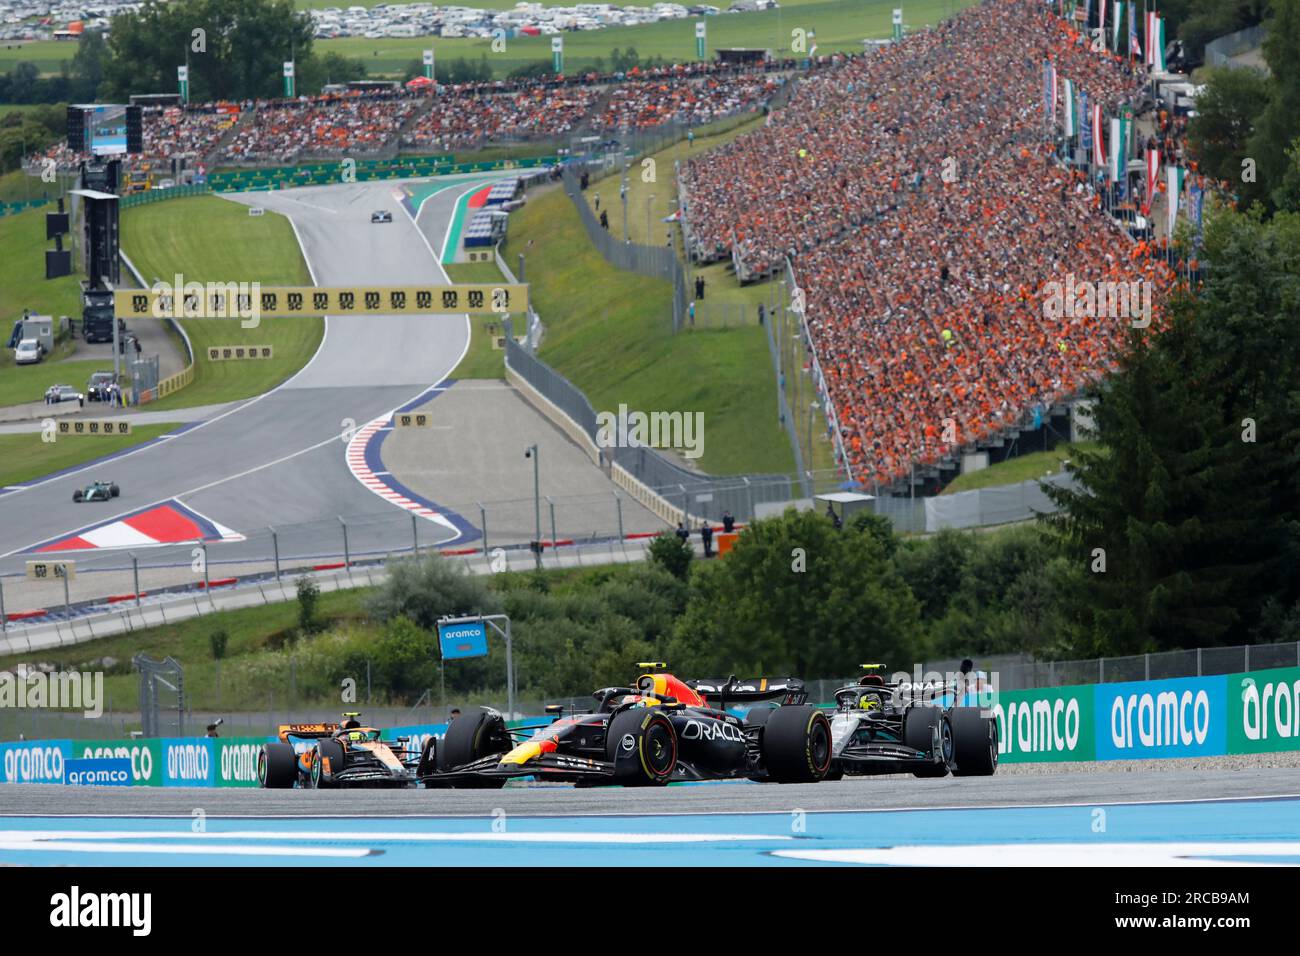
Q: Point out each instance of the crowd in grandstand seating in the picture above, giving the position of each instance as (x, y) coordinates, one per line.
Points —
(470, 117)
(168, 131)
(916, 194)
(280, 131)
(640, 105)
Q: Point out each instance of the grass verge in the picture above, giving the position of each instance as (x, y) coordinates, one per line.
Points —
(25, 457)
(1037, 465)
(208, 239)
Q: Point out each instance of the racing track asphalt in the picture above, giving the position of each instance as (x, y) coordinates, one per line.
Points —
(279, 459)
(1001, 790)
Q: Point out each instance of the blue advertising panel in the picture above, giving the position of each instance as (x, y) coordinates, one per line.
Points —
(463, 640)
(189, 762)
(98, 772)
(35, 761)
(1186, 717)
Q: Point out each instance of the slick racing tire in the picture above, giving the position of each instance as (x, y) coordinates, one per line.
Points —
(835, 773)
(78, 495)
(918, 733)
(642, 745)
(332, 751)
(277, 766)
(796, 744)
(472, 737)
(974, 743)
(114, 491)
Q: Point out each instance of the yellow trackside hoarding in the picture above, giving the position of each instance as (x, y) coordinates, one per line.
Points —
(245, 300)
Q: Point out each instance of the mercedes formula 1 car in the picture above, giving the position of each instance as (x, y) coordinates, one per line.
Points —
(96, 491)
(660, 731)
(345, 754)
(880, 727)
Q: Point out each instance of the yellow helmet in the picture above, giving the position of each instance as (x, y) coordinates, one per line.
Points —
(869, 702)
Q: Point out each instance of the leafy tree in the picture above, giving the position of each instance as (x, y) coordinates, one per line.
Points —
(1192, 496)
(1279, 123)
(238, 54)
(1225, 119)
(796, 596)
(88, 66)
(672, 554)
(934, 569)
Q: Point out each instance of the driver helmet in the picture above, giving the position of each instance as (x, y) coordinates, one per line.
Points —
(356, 735)
(869, 702)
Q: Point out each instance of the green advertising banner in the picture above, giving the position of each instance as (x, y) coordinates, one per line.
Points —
(1264, 711)
(1049, 724)
(145, 754)
(236, 760)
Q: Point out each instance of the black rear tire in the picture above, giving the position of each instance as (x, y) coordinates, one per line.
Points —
(277, 766)
(796, 744)
(642, 745)
(77, 495)
(330, 750)
(114, 491)
(835, 773)
(974, 743)
(918, 733)
(472, 737)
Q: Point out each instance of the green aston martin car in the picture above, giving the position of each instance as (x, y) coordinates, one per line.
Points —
(96, 491)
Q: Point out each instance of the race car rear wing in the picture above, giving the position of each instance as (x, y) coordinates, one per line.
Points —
(720, 691)
(310, 731)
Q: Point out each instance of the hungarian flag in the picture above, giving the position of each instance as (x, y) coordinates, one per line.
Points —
(1175, 175)
(1118, 151)
(1156, 42)
(1153, 177)
(1098, 136)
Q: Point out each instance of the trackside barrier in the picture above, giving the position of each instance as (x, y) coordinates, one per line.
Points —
(1244, 713)
(171, 761)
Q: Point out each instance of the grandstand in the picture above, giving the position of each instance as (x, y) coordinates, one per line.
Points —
(922, 218)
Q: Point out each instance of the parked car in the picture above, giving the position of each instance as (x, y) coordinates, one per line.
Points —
(97, 390)
(29, 352)
(56, 394)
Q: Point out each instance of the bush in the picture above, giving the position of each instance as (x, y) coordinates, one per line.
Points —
(672, 554)
(217, 641)
(308, 600)
(427, 589)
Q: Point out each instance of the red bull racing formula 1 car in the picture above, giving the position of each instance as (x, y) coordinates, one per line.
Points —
(345, 754)
(662, 730)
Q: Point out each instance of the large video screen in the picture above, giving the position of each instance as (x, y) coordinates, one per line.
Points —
(106, 131)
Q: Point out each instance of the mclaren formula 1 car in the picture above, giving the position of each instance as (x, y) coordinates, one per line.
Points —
(662, 730)
(345, 754)
(880, 727)
(96, 491)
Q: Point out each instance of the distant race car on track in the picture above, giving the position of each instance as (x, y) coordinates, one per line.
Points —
(381, 215)
(657, 732)
(96, 491)
(909, 728)
(346, 754)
